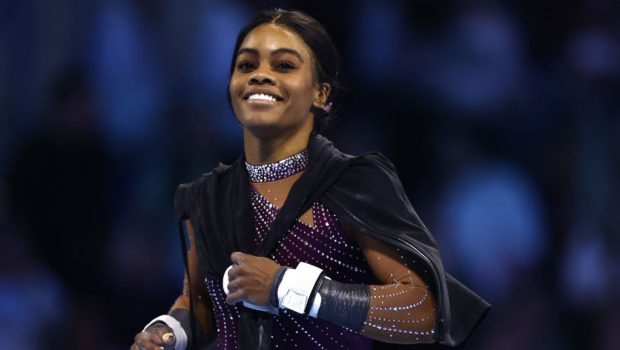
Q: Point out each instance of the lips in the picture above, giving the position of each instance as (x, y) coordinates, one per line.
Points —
(262, 96)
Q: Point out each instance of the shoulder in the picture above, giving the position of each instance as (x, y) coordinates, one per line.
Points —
(369, 161)
(188, 193)
(372, 170)
(375, 161)
(366, 173)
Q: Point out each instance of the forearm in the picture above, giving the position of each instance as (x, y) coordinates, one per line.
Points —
(395, 313)
(201, 307)
(402, 305)
(400, 313)
(200, 302)
(202, 314)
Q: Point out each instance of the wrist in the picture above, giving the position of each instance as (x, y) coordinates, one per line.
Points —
(277, 279)
(158, 324)
(178, 331)
(297, 289)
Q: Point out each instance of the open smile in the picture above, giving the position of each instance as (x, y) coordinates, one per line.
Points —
(262, 97)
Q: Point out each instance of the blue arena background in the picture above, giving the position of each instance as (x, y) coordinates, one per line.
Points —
(502, 117)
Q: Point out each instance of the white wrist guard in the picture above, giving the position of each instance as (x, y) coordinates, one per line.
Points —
(296, 287)
(179, 333)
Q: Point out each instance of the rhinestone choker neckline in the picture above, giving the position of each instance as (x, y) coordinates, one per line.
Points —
(278, 170)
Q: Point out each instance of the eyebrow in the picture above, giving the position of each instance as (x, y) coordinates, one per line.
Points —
(274, 52)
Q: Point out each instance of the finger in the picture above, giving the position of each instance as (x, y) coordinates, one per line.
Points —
(235, 297)
(143, 346)
(234, 285)
(156, 339)
(233, 273)
(238, 258)
(143, 339)
(138, 338)
(152, 347)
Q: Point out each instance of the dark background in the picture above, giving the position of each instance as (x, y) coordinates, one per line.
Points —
(502, 118)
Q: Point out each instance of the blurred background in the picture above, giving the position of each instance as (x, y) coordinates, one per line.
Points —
(502, 117)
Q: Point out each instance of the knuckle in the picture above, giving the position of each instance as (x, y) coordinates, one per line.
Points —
(234, 285)
(138, 338)
(234, 297)
(234, 290)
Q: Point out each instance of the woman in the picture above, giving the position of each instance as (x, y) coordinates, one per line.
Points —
(297, 245)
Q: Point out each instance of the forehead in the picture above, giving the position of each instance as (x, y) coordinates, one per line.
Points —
(270, 37)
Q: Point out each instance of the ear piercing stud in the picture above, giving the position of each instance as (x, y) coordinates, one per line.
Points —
(327, 107)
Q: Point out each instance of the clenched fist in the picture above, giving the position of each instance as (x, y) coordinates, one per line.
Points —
(156, 337)
(250, 279)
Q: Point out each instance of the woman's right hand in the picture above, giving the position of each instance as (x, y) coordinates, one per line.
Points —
(156, 337)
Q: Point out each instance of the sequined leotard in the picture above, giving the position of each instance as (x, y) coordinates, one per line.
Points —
(324, 244)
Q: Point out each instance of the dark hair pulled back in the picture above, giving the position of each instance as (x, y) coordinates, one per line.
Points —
(314, 34)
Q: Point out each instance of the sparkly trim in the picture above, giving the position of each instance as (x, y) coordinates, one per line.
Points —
(403, 307)
(278, 170)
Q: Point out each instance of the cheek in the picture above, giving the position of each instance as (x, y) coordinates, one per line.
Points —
(233, 86)
(234, 90)
(304, 91)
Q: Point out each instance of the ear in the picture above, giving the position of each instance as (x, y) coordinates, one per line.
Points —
(321, 95)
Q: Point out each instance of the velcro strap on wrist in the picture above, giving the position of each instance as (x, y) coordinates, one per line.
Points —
(296, 287)
(277, 279)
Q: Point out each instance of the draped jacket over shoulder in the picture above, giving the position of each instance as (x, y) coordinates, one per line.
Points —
(363, 191)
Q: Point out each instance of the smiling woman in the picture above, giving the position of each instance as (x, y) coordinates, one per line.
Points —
(297, 245)
(273, 85)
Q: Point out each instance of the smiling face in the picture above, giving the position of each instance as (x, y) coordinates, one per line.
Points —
(273, 85)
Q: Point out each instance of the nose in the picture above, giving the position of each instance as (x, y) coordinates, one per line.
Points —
(261, 77)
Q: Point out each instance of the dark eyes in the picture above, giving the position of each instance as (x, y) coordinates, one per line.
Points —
(245, 66)
(285, 66)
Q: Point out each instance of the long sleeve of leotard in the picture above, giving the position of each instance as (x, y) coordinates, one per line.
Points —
(402, 307)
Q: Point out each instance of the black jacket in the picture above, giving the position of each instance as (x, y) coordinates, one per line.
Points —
(363, 191)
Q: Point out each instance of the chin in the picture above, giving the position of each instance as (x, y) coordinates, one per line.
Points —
(259, 120)
(263, 128)
(263, 124)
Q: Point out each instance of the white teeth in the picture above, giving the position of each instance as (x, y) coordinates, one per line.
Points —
(262, 97)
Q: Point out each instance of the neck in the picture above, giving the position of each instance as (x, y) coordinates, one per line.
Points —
(269, 150)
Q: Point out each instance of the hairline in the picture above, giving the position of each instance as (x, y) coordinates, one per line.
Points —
(312, 54)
